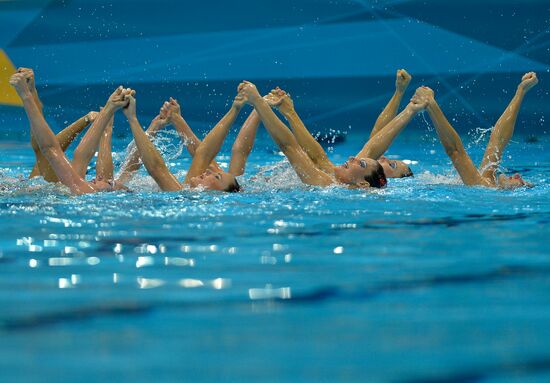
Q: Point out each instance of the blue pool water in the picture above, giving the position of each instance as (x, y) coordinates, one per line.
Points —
(425, 281)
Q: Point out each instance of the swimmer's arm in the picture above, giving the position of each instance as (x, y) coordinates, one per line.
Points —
(243, 144)
(212, 143)
(104, 165)
(283, 137)
(381, 141)
(132, 162)
(150, 156)
(309, 144)
(453, 147)
(390, 111)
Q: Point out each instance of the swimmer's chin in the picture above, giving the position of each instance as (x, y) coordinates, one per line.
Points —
(196, 184)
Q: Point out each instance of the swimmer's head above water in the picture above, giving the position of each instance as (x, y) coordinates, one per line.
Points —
(395, 168)
(361, 173)
(213, 179)
(512, 182)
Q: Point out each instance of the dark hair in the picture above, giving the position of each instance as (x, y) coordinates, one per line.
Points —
(377, 178)
(409, 173)
(233, 187)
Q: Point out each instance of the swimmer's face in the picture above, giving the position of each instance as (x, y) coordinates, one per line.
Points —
(213, 180)
(354, 171)
(512, 182)
(395, 168)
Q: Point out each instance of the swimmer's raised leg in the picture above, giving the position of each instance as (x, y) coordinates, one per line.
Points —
(212, 143)
(49, 146)
(243, 144)
(381, 141)
(378, 146)
(90, 142)
(402, 80)
(150, 156)
(104, 167)
(29, 74)
(65, 138)
(451, 140)
(241, 148)
(173, 113)
(504, 128)
(172, 110)
(281, 100)
(132, 162)
(41, 166)
(283, 137)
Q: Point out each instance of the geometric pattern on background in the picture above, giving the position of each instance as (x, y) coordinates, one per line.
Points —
(8, 95)
(353, 47)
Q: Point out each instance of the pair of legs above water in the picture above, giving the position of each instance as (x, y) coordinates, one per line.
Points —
(204, 172)
(486, 174)
(49, 149)
(65, 137)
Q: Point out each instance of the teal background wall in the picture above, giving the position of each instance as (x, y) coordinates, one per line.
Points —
(337, 58)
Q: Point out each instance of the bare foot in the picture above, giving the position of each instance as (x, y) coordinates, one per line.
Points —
(239, 101)
(417, 104)
(170, 109)
(119, 98)
(528, 81)
(21, 85)
(158, 123)
(249, 92)
(91, 116)
(402, 80)
(161, 120)
(279, 99)
(425, 94)
(29, 75)
(130, 109)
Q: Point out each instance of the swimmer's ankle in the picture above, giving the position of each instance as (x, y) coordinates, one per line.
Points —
(26, 95)
(520, 91)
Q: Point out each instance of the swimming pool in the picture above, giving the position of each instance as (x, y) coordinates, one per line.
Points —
(424, 281)
(427, 280)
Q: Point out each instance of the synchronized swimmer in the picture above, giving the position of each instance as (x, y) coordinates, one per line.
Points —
(368, 168)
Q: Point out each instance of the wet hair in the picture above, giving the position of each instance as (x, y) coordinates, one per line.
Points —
(409, 173)
(233, 187)
(377, 178)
